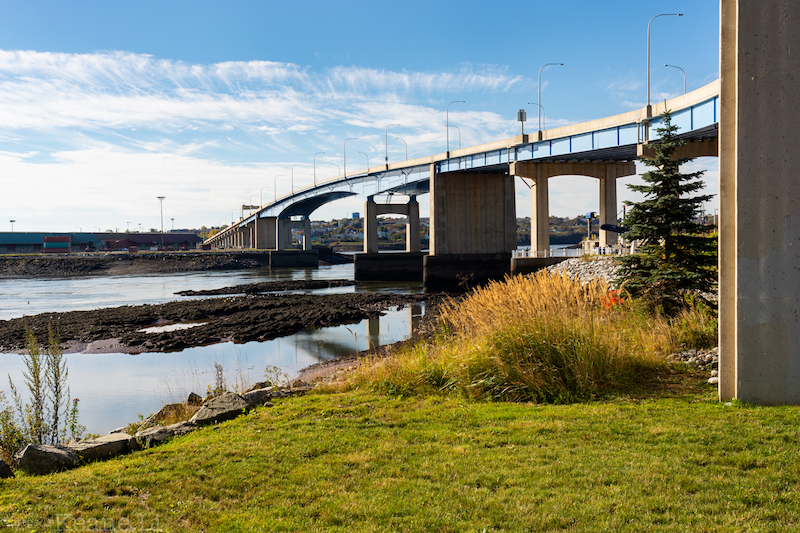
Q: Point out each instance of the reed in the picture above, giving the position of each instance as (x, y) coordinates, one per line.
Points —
(541, 338)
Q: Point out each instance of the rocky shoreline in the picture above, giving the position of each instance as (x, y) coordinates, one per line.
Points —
(245, 318)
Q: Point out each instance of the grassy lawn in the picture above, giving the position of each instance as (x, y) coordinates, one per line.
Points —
(673, 459)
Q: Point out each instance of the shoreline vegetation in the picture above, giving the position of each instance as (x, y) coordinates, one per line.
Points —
(537, 403)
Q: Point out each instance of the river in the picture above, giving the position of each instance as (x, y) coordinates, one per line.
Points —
(114, 389)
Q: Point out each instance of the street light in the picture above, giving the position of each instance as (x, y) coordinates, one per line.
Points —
(447, 113)
(459, 135)
(386, 140)
(12, 225)
(295, 165)
(544, 118)
(684, 75)
(365, 155)
(173, 223)
(315, 167)
(344, 157)
(275, 186)
(161, 203)
(338, 170)
(648, 54)
(399, 139)
(539, 87)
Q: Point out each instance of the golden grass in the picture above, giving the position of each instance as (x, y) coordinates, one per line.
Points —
(545, 337)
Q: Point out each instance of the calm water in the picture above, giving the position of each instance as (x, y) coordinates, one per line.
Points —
(115, 388)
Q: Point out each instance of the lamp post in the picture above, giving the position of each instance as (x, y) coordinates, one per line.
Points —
(80, 229)
(275, 186)
(344, 157)
(365, 155)
(539, 88)
(544, 118)
(161, 203)
(315, 167)
(459, 135)
(129, 227)
(386, 141)
(399, 139)
(295, 165)
(649, 113)
(12, 225)
(173, 223)
(447, 114)
(684, 75)
(338, 170)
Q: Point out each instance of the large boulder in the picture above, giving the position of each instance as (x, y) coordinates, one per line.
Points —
(227, 406)
(103, 447)
(5, 470)
(147, 438)
(256, 397)
(44, 459)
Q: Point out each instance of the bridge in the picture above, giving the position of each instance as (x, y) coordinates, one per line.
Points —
(472, 205)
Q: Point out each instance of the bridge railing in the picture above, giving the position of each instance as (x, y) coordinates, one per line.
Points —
(571, 252)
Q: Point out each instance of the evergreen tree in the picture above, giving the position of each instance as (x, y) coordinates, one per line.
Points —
(674, 257)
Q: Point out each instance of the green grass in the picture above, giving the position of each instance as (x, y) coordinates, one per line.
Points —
(672, 460)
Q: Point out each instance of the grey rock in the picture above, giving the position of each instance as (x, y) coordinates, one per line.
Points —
(44, 459)
(194, 399)
(713, 380)
(147, 438)
(224, 407)
(103, 447)
(5, 470)
(258, 396)
(123, 429)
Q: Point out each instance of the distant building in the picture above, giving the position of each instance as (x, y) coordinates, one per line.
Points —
(18, 242)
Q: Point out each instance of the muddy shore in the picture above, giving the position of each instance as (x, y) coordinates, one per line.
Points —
(116, 264)
(252, 317)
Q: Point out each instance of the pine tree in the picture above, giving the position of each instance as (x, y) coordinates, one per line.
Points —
(674, 257)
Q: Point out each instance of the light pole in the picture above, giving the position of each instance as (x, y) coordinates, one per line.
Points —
(649, 113)
(544, 117)
(365, 155)
(399, 139)
(173, 223)
(295, 165)
(539, 88)
(80, 229)
(459, 135)
(275, 186)
(161, 203)
(447, 114)
(386, 141)
(12, 225)
(684, 75)
(338, 170)
(315, 167)
(344, 157)
(129, 227)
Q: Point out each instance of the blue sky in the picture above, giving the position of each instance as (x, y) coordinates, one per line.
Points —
(106, 105)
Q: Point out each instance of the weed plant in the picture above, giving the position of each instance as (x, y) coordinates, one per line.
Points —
(541, 338)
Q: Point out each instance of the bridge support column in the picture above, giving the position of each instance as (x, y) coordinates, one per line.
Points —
(266, 233)
(307, 234)
(606, 172)
(284, 233)
(473, 228)
(371, 212)
(759, 280)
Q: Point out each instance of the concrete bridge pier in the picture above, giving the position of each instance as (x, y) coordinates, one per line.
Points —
(372, 266)
(266, 233)
(606, 172)
(759, 282)
(284, 230)
(473, 228)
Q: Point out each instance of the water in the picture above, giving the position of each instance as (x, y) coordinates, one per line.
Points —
(114, 389)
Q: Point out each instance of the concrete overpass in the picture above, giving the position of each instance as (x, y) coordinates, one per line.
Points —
(473, 211)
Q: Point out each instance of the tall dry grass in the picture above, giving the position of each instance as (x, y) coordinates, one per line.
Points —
(545, 338)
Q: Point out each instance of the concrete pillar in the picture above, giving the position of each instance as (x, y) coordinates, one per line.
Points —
(472, 213)
(284, 233)
(759, 202)
(307, 234)
(540, 214)
(266, 233)
(606, 172)
(413, 244)
(370, 226)
(608, 209)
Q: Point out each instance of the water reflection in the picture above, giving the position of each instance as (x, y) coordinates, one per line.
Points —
(115, 388)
